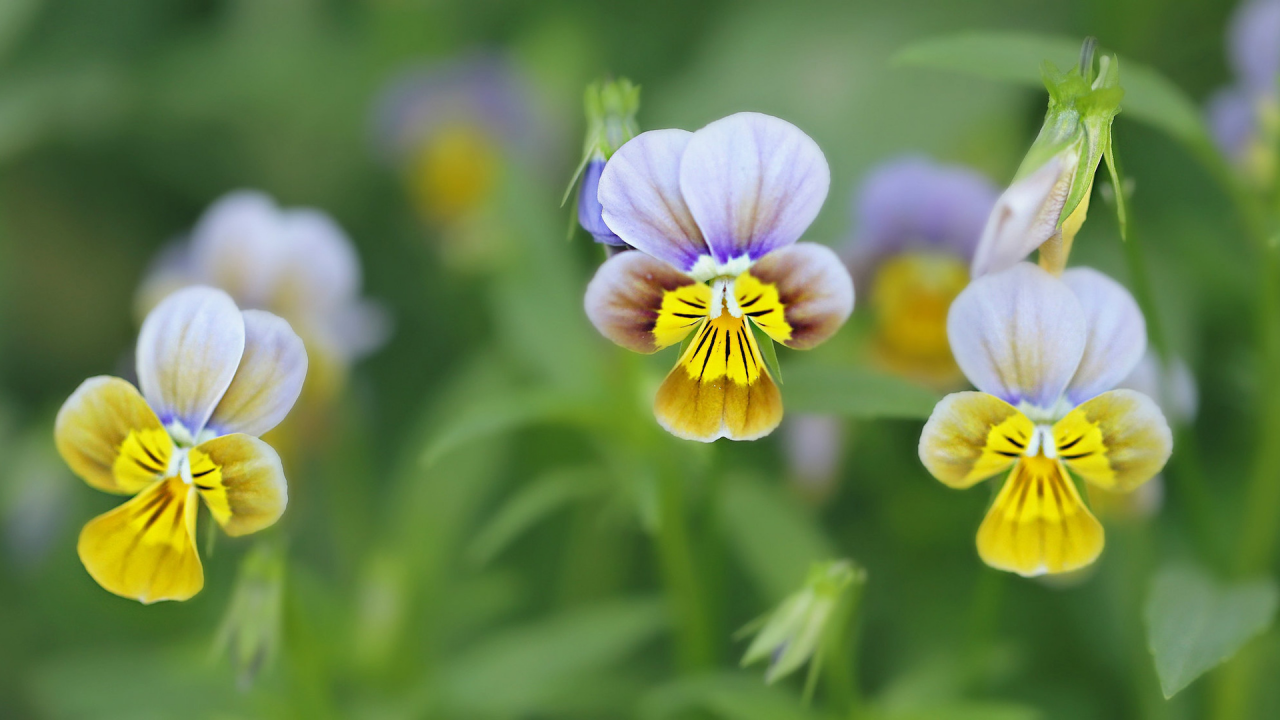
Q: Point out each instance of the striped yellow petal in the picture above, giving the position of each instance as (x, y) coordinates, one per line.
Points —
(1038, 523)
(109, 436)
(242, 482)
(1117, 441)
(145, 549)
(971, 436)
(800, 295)
(720, 386)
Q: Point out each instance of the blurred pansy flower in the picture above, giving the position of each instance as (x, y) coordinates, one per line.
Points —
(1174, 389)
(1049, 198)
(715, 215)
(918, 224)
(213, 378)
(1044, 354)
(1245, 117)
(611, 121)
(448, 127)
(797, 629)
(296, 263)
(813, 446)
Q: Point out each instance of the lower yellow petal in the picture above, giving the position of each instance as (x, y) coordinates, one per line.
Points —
(720, 387)
(145, 549)
(242, 482)
(1038, 523)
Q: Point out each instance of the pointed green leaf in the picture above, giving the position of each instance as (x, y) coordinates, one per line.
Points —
(773, 536)
(1195, 623)
(857, 392)
(529, 505)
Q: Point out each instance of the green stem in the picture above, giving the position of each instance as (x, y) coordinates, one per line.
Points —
(695, 650)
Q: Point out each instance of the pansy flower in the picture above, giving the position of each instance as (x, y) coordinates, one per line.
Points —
(1245, 117)
(212, 378)
(295, 262)
(918, 225)
(1044, 354)
(715, 215)
(448, 125)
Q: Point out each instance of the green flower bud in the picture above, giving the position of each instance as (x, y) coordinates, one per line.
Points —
(250, 632)
(800, 626)
(611, 121)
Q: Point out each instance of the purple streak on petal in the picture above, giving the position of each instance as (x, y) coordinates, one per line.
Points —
(914, 203)
(1253, 44)
(1232, 119)
(589, 207)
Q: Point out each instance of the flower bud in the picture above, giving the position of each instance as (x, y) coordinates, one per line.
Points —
(797, 630)
(250, 632)
(1049, 198)
(611, 121)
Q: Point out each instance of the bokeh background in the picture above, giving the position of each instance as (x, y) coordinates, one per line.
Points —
(490, 524)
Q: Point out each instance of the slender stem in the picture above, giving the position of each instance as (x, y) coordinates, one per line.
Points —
(695, 650)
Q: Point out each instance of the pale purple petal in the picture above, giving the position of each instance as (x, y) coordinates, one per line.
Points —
(1232, 118)
(641, 200)
(589, 208)
(1253, 44)
(1117, 333)
(1025, 216)
(913, 203)
(188, 351)
(234, 247)
(1018, 334)
(320, 271)
(268, 381)
(754, 183)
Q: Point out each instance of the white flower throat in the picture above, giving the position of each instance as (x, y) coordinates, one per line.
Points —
(183, 442)
(723, 298)
(1042, 440)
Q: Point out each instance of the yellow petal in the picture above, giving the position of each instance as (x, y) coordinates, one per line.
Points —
(1038, 524)
(720, 387)
(109, 436)
(242, 482)
(971, 436)
(1117, 441)
(145, 549)
(800, 295)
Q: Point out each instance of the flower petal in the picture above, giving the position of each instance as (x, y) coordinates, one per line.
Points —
(1117, 441)
(720, 387)
(1025, 216)
(754, 183)
(1018, 335)
(810, 286)
(145, 549)
(1038, 524)
(109, 436)
(236, 246)
(188, 351)
(971, 436)
(319, 268)
(641, 202)
(267, 382)
(242, 482)
(589, 208)
(1117, 333)
(644, 304)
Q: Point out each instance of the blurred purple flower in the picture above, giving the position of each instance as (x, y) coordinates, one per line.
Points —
(1235, 113)
(1232, 119)
(1253, 44)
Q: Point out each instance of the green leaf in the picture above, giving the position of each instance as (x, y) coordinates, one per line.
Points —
(857, 392)
(529, 505)
(731, 696)
(1195, 623)
(499, 415)
(1149, 97)
(519, 670)
(774, 538)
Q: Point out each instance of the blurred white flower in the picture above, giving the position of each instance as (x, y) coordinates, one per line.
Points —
(814, 447)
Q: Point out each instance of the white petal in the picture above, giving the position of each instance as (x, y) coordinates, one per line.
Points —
(269, 378)
(1025, 216)
(641, 202)
(236, 246)
(321, 269)
(188, 351)
(754, 183)
(1018, 335)
(1117, 333)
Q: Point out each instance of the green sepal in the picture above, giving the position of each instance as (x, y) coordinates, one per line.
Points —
(1117, 183)
(611, 108)
(769, 351)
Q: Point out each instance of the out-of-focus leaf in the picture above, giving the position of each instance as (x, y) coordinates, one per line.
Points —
(37, 106)
(518, 670)
(493, 416)
(531, 504)
(963, 711)
(774, 538)
(1149, 97)
(1195, 623)
(15, 19)
(727, 696)
(855, 392)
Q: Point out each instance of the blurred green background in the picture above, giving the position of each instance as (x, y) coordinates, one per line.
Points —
(495, 526)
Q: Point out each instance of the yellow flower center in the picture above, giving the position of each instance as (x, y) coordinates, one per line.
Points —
(911, 294)
(452, 172)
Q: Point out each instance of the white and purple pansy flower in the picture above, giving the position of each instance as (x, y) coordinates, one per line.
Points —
(715, 215)
(1045, 353)
(1243, 117)
(213, 379)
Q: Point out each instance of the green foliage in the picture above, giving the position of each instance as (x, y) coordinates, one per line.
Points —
(1195, 623)
(855, 391)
